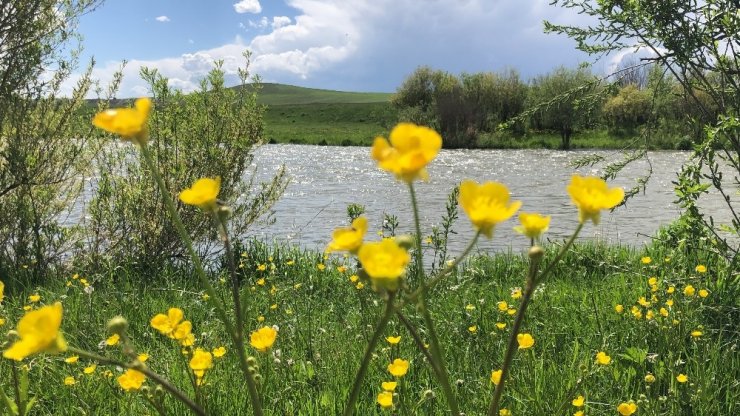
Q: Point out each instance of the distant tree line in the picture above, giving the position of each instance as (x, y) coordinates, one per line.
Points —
(464, 107)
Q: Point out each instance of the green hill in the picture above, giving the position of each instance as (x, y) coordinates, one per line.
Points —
(281, 94)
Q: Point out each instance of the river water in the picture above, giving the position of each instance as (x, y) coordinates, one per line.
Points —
(325, 179)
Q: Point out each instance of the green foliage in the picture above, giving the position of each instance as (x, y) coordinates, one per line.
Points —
(627, 110)
(208, 133)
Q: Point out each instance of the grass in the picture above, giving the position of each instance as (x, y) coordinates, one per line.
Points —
(282, 94)
(325, 321)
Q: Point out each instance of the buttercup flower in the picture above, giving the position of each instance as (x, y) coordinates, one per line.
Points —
(131, 380)
(35, 298)
(398, 368)
(349, 239)
(703, 293)
(602, 358)
(578, 401)
(263, 338)
(90, 369)
(496, 376)
(2, 291)
(532, 225)
(646, 260)
(487, 204)
(172, 324)
(525, 341)
(112, 340)
(129, 123)
(682, 378)
(69, 381)
(393, 340)
(649, 378)
(591, 194)
(200, 362)
(72, 359)
(39, 332)
(627, 409)
(388, 385)
(385, 399)
(618, 308)
(202, 194)
(219, 352)
(701, 268)
(384, 261)
(409, 151)
(689, 290)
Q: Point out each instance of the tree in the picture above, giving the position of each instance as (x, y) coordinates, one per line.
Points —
(627, 110)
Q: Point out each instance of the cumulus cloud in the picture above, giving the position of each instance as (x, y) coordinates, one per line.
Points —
(162, 19)
(248, 6)
(280, 21)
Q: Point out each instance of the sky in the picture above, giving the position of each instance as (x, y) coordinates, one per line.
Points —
(347, 45)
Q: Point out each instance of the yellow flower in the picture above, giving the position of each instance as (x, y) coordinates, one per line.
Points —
(112, 340)
(504, 412)
(69, 381)
(202, 194)
(342, 269)
(469, 307)
(398, 368)
(703, 293)
(649, 378)
(34, 298)
(701, 268)
(39, 332)
(360, 285)
(90, 369)
(384, 261)
(172, 324)
(682, 378)
(578, 401)
(619, 308)
(669, 302)
(409, 151)
(129, 123)
(649, 315)
(131, 380)
(525, 341)
(602, 358)
(200, 362)
(501, 325)
(689, 290)
(653, 281)
(321, 267)
(591, 194)
(578, 413)
(516, 293)
(670, 289)
(496, 376)
(388, 385)
(72, 359)
(263, 338)
(142, 357)
(348, 239)
(219, 352)
(533, 225)
(487, 204)
(502, 306)
(646, 260)
(2, 291)
(663, 312)
(393, 340)
(627, 409)
(643, 302)
(473, 329)
(385, 399)
(511, 311)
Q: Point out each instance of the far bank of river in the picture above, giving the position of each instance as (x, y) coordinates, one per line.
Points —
(325, 179)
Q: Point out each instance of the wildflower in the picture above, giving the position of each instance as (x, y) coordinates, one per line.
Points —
(487, 204)
(200, 362)
(72, 359)
(388, 385)
(578, 401)
(112, 340)
(496, 376)
(69, 381)
(619, 308)
(342, 269)
(669, 302)
(321, 267)
(205, 296)
(682, 378)
(219, 352)
(502, 306)
(663, 312)
(131, 380)
(627, 409)
(469, 307)
(646, 260)
(696, 333)
(172, 324)
(393, 340)
(263, 338)
(260, 318)
(2, 291)
(532, 225)
(643, 302)
(385, 262)
(504, 412)
(689, 290)
(649, 378)
(703, 293)
(35, 298)
(90, 369)
(473, 329)
(398, 368)
(636, 312)
(701, 268)
(602, 358)
(511, 311)
(142, 357)
(202, 194)
(525, 341)
(501, 325)
(578, 413)
(670, 289)
(349, 239)
(516, 293)
(129, 123)
(649, 315)
(385, 399)
(39, 332)
(591, 194)
(261, 268)
(354, 278)
(653, 281)
(411, 148)
(359, 286)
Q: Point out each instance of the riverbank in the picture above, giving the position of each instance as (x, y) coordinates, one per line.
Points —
(325, 316)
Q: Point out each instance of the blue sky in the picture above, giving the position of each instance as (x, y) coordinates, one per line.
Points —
(355, 45)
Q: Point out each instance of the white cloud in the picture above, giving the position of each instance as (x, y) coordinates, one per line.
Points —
(259, 24)
(248, 6)
(162, 19)
(280, 21)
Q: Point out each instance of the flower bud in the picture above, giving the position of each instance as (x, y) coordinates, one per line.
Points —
(536, 253)
(117, 325)
(405, 241)
(251, 361)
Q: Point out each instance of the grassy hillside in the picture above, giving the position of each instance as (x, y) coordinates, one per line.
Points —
(281, 94)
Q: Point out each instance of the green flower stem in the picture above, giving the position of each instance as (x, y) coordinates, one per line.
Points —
(379, 328)
(531, 285)
(213, 298)
(437, 357)
(179, 395)
(417, 339)
(428, 285)
(234, 278)
(16, 387)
